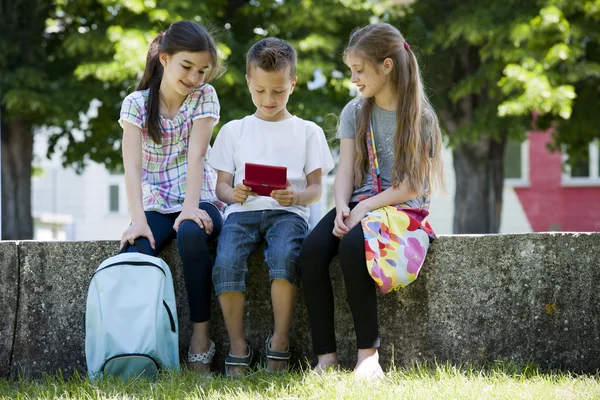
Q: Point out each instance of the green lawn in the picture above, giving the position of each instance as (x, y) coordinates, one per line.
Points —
(420, 382)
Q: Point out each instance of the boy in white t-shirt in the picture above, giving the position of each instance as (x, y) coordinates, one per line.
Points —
(270, 136)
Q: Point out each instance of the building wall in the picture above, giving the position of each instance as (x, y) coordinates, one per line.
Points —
(552, 202)
(513, 218)
(544, 203)
(60, 194)
(441, 215)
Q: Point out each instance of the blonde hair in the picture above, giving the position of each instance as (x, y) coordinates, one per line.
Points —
(418, 138)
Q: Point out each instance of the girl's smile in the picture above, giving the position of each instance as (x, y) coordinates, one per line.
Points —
(189, 86)
(183, 71)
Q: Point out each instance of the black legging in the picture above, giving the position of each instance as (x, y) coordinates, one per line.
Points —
(192, 242)
(318, 250)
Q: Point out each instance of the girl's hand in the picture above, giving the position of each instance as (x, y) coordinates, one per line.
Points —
(241, 193)
(356, 215)
(339, 227)
(286, 197)
(136, 230)
(197, 215)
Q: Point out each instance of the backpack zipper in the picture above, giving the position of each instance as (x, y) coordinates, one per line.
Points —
(130, 355)
(136, 263)
(171, 319)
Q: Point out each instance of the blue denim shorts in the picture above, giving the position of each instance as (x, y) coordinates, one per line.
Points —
(242, 235)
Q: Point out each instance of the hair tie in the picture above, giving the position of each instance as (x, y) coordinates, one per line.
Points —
(406, 46)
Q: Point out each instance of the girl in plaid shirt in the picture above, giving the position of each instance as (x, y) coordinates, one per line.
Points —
(167, 125)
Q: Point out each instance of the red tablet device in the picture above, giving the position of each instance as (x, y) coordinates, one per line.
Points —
(265, 178)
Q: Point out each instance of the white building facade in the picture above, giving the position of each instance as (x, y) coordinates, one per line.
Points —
(93, 205)
(68, 206)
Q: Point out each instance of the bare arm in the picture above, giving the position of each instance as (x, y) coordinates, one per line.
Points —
(224, 188)
(132, 162)
(199, 140)
(310, 195)
(344, 179)
(197, 147)
(392, 195)
(228, 194)
(343, 185)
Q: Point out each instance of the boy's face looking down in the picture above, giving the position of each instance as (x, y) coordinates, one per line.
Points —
(270, 92)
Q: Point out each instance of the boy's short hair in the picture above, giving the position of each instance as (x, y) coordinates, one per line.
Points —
(271, 54)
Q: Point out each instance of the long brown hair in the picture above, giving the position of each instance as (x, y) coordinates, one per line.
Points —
(418, 138)
(180, 36)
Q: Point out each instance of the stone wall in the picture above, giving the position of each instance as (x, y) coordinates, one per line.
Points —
(530, 297)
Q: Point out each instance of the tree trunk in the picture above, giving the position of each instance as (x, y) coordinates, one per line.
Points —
(479, 170)
(17, 153)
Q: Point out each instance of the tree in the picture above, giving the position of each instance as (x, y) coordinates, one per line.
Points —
(557, 75)
(489, 65)
(22, 71)
(60, 55)
(37, 88)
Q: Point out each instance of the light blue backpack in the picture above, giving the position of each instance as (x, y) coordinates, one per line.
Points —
(130, 318)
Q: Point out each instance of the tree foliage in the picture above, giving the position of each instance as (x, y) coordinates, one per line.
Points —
(490, 66)
(98, 50)
(515, 58)
(556, 72)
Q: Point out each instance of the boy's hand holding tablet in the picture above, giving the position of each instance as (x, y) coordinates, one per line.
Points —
(265, 180)
(285, 197)
(241, 193)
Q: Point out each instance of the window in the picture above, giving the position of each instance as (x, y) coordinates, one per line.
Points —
(584, 172)
(516, 163)
(113, 198)
(580, 169)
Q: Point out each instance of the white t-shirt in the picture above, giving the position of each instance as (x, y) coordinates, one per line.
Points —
(294, 143)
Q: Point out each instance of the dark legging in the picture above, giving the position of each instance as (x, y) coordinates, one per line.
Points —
(192, 242)
(319, 249)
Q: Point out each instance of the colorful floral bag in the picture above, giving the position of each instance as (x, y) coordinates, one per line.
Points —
(396, 237)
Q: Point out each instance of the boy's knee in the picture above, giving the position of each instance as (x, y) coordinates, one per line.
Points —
(289, 275)
(282, 258)
(283, 262)
(228, 280)
(229, 274)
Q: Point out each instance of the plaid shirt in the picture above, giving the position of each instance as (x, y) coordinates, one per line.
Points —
(164, 165)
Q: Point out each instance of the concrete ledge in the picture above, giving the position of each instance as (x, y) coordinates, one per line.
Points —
(50, 330)
(9, 285)
(531, 297)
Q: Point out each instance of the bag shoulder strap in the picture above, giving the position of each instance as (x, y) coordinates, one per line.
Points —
(373, 162)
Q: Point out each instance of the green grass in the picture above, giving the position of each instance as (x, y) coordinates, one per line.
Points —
(419, 382)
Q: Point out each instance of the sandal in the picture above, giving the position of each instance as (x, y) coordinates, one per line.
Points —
(244, 362)
(204, 358)
(277, 355)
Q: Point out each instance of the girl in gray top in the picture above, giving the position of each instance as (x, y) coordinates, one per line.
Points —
(408, 141)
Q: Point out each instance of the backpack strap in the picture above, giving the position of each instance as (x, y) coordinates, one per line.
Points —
(373, 163)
